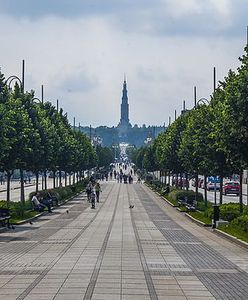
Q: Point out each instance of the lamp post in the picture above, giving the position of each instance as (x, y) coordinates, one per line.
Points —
(202, 101)
(8, 82)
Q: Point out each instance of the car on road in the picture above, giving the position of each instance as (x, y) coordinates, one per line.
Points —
(231, 187)
(211, 186)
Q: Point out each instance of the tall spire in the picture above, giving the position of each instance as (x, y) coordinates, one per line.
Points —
(124, 104)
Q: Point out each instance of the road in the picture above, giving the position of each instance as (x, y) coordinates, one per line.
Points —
(15, 189)
(150, 251)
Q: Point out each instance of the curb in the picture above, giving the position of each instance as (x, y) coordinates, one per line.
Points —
(197, 221)
(231, 238)
(16, 188)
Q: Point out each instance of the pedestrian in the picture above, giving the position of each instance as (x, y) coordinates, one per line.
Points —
(88, 190)
(98, 190)
(93, 199)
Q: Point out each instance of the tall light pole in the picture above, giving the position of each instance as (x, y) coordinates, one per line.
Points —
(21, 82)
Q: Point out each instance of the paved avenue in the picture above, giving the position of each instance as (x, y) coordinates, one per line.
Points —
(113, 252)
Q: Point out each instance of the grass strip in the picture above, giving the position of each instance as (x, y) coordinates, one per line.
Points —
(235, 231)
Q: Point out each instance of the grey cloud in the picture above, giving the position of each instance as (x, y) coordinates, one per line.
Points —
(143, 16)
(78, 82)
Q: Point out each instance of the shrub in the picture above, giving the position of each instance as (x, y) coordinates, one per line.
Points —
(229, 211)
(179, 194)
(241, 222)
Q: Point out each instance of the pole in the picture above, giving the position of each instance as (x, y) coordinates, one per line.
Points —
(175, 114)
(74, 123)
(42, 94)
(195, 95)
(215, 198)
(169, 121)
(79, 126)
(57, 105)
(246, 187)
(23, 74)
(184, 105)
(214, 79)
(90, 132)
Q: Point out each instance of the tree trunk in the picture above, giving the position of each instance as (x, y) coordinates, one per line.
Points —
(60, 179)
(241, 192)
(205, 191)
(22, 195)
(73, 179)
(187, 181)
(65, 179)
(37, 182)
(177, 181)
(9, 174)
(45, 179)
(54, 179)
(221, 189)
(196, 186)
(70, 179)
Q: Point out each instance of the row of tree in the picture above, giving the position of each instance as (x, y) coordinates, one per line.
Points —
(211, 139)
(36, 137)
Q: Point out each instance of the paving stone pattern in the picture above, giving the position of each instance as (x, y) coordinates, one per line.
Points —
(115, 252)
(222, 278)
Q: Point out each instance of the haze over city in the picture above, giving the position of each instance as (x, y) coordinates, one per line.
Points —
(80, 50)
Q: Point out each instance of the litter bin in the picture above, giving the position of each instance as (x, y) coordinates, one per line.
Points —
(216, 214)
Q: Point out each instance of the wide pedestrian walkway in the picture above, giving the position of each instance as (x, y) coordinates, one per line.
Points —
(150, 251)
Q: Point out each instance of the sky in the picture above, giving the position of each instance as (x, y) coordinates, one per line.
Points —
(79, 50)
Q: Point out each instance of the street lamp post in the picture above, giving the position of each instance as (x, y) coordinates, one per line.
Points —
(8, 82)
(202, 101)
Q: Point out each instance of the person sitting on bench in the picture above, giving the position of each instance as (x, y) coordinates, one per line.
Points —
(40, 206)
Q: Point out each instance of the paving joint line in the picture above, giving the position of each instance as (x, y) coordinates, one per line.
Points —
(94, 276)
(149, 282)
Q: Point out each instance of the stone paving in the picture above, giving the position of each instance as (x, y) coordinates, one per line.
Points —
(150, 251)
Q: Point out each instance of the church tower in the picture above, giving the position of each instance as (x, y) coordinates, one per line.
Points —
(124, 121)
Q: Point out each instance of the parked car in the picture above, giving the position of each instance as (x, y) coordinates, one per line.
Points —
(211, 186)
(231, 187)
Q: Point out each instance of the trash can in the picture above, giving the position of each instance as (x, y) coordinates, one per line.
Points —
(216, 214)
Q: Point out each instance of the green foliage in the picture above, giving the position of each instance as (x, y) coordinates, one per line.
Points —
(105, 156)
(229, 211)
(199, 215)
(241, 222)
(179, 194)
(36, 137)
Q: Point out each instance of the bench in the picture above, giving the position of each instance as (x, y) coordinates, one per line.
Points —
(4, 216)
(38, 207)
(188, 203)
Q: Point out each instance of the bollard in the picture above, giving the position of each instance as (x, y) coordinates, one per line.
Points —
(216, 214)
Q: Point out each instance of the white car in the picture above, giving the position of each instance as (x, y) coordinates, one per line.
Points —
(211, 186)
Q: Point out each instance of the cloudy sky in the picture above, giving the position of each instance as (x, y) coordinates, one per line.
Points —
(80, 49)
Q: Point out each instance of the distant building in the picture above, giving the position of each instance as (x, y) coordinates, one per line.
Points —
(124, 132)
(124, 124)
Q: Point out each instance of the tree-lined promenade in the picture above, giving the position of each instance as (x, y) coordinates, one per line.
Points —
(209, 139)
(37, 137)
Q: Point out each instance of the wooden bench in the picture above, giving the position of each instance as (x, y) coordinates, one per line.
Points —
(4, 216)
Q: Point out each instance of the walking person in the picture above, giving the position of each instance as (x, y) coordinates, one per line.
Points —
(98, 190)
(93, 199)
(88, 190)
